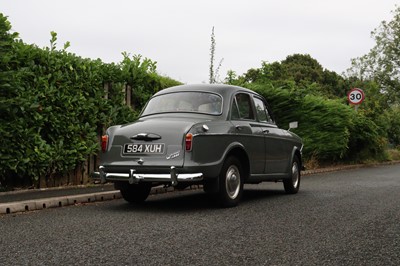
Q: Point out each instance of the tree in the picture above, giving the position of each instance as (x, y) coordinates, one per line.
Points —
(302, 67)
(298, 72)
(382, 63)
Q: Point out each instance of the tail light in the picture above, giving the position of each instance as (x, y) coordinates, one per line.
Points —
(104, 142)
(189, 141)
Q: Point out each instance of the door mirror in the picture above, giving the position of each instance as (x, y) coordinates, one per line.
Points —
(293, 125)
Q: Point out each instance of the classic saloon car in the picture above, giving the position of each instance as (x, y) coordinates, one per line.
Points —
(219, 136)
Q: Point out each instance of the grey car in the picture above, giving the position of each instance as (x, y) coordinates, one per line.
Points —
(219, 136)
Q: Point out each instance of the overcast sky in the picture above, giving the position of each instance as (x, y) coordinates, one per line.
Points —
(176, 33)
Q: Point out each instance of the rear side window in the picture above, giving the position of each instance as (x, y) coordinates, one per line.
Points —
(262, 111)
(241, 107)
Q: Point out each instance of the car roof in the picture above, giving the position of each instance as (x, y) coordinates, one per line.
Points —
(222, 89)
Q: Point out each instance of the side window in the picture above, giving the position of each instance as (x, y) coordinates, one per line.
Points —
(235, 112)
(241, 107)
(262, 111)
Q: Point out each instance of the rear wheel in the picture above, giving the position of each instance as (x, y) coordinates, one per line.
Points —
(230, 183)
(136, 193)
(292, 185)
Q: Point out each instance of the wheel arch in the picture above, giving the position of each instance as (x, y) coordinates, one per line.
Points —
(240, 153)
(296, 153)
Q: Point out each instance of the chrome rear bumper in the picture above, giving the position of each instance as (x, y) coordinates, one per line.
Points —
(134, 178)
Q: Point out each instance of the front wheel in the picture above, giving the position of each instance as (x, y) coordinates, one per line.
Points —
(292, 184)
(136, 193)
(230, 183)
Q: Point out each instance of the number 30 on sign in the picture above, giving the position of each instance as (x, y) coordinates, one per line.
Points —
(356, 96)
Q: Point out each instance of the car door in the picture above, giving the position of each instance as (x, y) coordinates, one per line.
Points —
(247, 131)
(276, 147)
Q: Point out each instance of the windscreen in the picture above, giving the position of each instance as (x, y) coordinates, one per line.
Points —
(183, 102)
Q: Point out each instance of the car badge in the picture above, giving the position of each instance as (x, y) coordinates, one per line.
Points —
(173, 155)
(141, 161)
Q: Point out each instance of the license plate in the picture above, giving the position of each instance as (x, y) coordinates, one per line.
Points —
(144, 148)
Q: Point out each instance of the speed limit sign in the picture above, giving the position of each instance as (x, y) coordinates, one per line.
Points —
(356, 96)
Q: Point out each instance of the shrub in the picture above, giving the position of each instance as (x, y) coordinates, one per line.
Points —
(331, 130)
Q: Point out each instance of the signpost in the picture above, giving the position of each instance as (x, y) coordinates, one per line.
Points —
(356, 96)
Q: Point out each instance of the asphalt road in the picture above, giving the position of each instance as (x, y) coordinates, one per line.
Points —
(350, 217)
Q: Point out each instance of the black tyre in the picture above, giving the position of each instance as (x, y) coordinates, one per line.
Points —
(292, 185)
(136, 193)
(230, 183)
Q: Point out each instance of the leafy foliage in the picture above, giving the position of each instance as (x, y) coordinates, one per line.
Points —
(54, 105)
(393, 120)
(365, 141)
(299, 89)
(382, 63)
(323, 123)
(296, 71)
(331, 130)
(140, 74)
(378, 73)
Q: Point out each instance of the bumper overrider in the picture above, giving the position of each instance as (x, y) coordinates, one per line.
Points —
(134, 178)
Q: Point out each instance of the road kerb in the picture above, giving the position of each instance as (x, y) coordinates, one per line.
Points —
(45, 203)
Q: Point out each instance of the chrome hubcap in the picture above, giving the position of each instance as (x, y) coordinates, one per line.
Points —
(232, 181)
(295, 174)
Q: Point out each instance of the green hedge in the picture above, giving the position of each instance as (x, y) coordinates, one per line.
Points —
(331, 130)
(54, 106)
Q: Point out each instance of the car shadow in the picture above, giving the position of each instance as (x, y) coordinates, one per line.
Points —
(251, 194)
(189, 202)
(194, 201)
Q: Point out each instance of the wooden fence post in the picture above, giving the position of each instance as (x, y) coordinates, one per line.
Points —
(128, 95)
